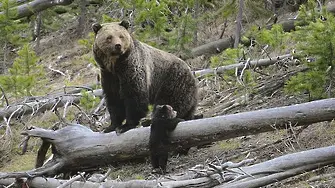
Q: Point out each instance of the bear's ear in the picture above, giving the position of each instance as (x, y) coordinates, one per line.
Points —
(96, 27)
(125, 24)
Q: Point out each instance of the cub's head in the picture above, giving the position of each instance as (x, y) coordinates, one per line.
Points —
(112, 39)
(164, 112)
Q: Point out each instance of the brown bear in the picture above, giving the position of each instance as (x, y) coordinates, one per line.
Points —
(164, 121)
(134, 75)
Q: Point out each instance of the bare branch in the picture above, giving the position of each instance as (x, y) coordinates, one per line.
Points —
(43, 104)
(4, 96)
(242, 64)
(57, 71)
(76, 178)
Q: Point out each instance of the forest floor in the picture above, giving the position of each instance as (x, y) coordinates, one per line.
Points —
(61, 53)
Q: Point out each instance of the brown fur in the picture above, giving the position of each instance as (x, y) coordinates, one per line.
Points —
(136, 74)
(164, 121)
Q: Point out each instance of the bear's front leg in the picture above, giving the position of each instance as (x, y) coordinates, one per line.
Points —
(115, 105)
(117, 114)
(136, 109)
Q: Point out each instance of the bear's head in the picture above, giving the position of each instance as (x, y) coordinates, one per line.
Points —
(112, 39)
(164, 112)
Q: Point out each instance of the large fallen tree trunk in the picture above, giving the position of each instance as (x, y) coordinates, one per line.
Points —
(77, 148)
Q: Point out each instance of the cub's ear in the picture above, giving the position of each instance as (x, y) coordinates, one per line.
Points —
(158, 106)
(96, 27)
(125, 24)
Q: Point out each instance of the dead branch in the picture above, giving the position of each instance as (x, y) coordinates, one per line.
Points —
(321, 177)
(42, 104)
(4, 95)
(242, 65)
(77, 148)
(57, 71)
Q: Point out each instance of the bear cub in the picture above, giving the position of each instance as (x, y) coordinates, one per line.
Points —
(134, 75)
(164, 120)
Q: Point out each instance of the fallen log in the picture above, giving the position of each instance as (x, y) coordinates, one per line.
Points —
(77, 148)
(35, 6)
(210, 48)
(283, 167)
(240, 65)
(256, 175)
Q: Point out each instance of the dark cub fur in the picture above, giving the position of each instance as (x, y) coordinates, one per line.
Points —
(164, 120)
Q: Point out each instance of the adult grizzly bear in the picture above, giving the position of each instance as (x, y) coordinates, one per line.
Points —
(134, 74)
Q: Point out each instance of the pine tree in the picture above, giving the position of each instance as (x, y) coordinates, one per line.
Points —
(11, 31)
(24, 73)
(316, 40)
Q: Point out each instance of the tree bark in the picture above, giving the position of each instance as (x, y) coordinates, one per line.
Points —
(210, 48)
(82, 18)
(77, 148)
(238, 24)
(37, 31)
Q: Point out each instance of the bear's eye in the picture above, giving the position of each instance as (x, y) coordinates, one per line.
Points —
(109, 37)
(121, 36)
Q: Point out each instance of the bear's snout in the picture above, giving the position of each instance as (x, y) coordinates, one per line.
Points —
(118, 46)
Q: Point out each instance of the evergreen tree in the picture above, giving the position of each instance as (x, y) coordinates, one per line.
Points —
(12, 31)
(315, 40)
(169, 25)
(24, 73)
(88, 101)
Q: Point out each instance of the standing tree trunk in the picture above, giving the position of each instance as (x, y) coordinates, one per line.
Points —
(4, 59)
(82, 18)
(195, 17)
(238, 24)
(37, 31)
